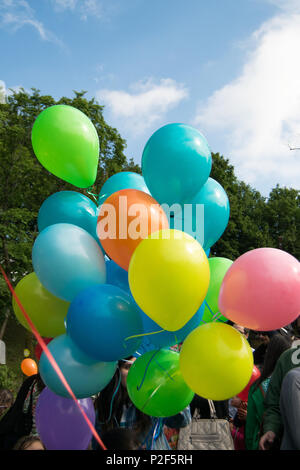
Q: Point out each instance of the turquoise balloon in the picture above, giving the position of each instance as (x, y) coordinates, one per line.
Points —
(69, 207)
(67, 259)
(206, 215)
(176, 163)
(122, 180)
(85, 376)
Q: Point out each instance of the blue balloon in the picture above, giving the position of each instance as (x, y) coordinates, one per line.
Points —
(116, 276)
(67, 259)
(69, 207)
(167, 338)
(122, 180)
(99, 321)
(205, 216)
(85, 376)
(176, 163)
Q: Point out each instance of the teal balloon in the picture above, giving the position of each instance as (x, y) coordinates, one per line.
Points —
(69, 207)
(67, 259)
(116, 276)
(105, 323)
(176, 163)
(122, 180)
(205, 217)
(85, 376)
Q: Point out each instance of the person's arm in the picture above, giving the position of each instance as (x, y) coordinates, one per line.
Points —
(180, 420)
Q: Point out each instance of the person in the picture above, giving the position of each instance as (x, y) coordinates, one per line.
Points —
(6, 401)
(290, 410)
(255, 410)
(272, 423)
(34, 392)
(29, 443)
(115, 410)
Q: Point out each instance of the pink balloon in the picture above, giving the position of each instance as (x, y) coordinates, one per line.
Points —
(261, 290)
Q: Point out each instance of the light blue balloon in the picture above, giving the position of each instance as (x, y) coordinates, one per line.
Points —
(85, 376)
(166, 339)
(116, 276)
(205, 216)
(67, 259)
(101, 321)
(176, 163)
(122, 180)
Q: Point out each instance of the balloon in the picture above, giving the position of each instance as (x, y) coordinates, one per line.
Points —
(99, 321)
(169, 278)
(176, 163)
(261, 290)
(122, 180)
(85, 376)
(243, 395)
(38, 350)
(216, 361)
(66, 143)
(165, 339)
(126, 218)
(67, 259)
(69, 207)
(116, 275)
(60, 424)
(29, 367)
(156, 387)
(206, 215)
(218, 267)
(46, 311)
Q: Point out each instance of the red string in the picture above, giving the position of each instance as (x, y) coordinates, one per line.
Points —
(52, 360)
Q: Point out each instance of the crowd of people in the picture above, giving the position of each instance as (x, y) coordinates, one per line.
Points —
(268, 420)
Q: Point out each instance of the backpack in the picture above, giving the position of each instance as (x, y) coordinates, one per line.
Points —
(16, 423)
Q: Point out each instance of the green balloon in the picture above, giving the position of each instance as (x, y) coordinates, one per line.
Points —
(218, 268)
(156, 387)
(46, 311)
(66, 143)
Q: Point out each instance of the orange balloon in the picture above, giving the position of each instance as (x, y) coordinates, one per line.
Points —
(125, 219)
(29, 367)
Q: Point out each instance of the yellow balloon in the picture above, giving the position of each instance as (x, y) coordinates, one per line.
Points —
(46, 311)
(216, 361)
(169, 277)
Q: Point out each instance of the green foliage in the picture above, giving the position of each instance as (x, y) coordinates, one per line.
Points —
(8, 378)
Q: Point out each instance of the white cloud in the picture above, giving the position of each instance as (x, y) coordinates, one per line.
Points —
(258, 114)
(15, 14)
(146, 104)
(85, 8)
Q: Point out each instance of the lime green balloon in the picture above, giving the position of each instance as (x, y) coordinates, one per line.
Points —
(216, 361)
(218, 268)
(46, 311)
(156, 387)
(66, 143)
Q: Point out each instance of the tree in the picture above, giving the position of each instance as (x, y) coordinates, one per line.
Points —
(25, 183)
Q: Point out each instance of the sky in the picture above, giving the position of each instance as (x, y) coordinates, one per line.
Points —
(230, 68)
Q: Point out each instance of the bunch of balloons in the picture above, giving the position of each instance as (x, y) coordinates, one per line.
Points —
(131, 276)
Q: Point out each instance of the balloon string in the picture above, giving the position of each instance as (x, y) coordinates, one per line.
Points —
(144, 334)
(209, 308)
(95, 196)
(52, 360)
(147, 367)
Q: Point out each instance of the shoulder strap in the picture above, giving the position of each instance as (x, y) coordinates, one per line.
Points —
(213, 413)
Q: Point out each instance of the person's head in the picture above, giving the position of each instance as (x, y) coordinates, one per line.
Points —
(6, 400)
(121, 439)
(29, 443)
(277, 345)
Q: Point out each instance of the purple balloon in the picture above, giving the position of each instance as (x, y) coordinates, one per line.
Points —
(60, 424)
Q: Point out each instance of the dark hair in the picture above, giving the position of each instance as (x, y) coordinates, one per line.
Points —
(25, 442)
(110, 403)
(121, 439)
(277, 345)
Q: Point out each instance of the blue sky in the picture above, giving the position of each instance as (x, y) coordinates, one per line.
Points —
(228, 67)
